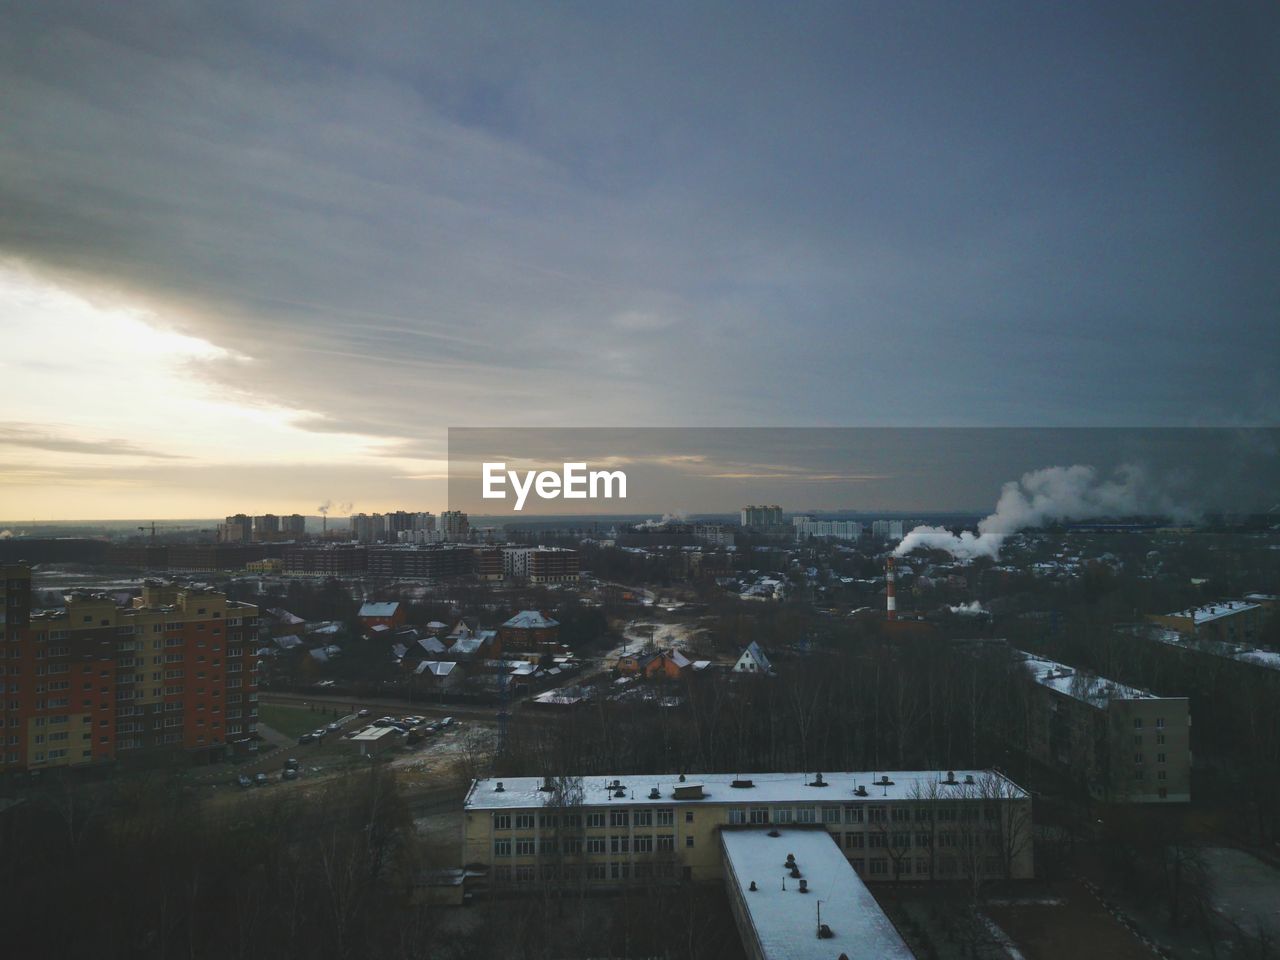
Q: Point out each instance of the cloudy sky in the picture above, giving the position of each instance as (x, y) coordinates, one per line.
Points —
(257, 256)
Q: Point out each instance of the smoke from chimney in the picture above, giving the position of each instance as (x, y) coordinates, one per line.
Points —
(1044, 496)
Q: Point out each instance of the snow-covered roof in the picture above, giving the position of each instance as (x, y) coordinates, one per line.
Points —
(431, 645)
(438, 668)
(1267, 659)
(757, 655)
(1094, 690)
(784, 920)
(1214, 611)
(531, 620)
(765, 788)
(288, 642)
(384, 609)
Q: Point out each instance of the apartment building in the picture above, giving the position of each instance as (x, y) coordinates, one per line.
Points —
(1123, 744)
(1228, 621)
(94, 682)
(611, 831)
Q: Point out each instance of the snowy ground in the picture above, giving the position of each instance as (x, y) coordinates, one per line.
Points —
(1246, 890)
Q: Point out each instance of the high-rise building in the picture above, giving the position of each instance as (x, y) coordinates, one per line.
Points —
(369, 528)
(93, 681)
(805, 527)
(237, 529)
(294, 526)
(886, 529)
(398, 521)
(454, 526)
(266, 528)
(761, 517)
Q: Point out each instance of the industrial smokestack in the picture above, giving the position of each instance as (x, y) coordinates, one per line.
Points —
(891, 600)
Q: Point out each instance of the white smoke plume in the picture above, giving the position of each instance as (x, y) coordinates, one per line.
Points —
(971, 609)
(1045, 496)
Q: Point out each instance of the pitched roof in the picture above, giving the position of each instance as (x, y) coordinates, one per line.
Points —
(757, 655)
(531, 620)
(385, 609)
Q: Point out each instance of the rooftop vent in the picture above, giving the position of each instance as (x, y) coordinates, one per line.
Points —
(824, 933)
(791, 861)
(499, 788)
(773, 833)
(753, 886)
(547, 785)
(968, 778)
(682, 778)
(804, 885)
(619, 793)
(817, 781)
(860, 791)
(951, 776)
(741, 784)
(654, 794)
(884, 781)
(688, 791)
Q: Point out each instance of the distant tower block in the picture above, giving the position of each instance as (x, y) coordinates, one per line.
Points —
(891, 601)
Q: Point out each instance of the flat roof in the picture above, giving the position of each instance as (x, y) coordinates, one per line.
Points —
(1214, 611)
(1082, 685)
(373, 733)
(1267, 659)
(784, 920)
(522, 792)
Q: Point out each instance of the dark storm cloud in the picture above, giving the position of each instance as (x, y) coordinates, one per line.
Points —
(414, 215)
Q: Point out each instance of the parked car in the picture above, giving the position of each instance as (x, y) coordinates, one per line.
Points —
(291, 763)
(260, 779)
(319, 733)
(363, 712)
(244, 780)
(384, 721)
(307, 738)
(289, 773)
(334, 727)
(446, 722)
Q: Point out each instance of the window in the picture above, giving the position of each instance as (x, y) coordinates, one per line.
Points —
(853, 841)
(852, 814)
(1137, 758)
(875, 814)
(1137, 723)
(1160, 739)
(596, 871)
(1160, 758)
(1164, 793)
(548, 846)
(502, 848)
(1162, 775)
(524, 874)
(550, 821)
(595, 819)
(524, 821)
(666, 842)
(1137, 774)
(643, 818)
(859, 866)
(879, 867)
(525, 847)
(644, 844)
(737, 815)
(595, 844)
(1159, 723)
(688, 816)
(620, 844)
(666, 817)
(759, 815)
(901, 814)
(830, 814)
(688, 841)
(781, 814)
(804, 815)
(619, 871)
(923, 839)
(875, 840)
(618, 818)
(1137, 739)
(901, 840)
(571, 845)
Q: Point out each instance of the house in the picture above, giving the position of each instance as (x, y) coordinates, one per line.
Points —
(529, 630)
(283, 622)
(438, 674)
(633, 664)
(386, 614)
(668, 664)
(753, 660)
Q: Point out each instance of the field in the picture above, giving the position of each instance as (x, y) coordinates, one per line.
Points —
(293, 722)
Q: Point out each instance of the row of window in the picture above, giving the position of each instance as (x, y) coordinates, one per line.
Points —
(584, 871)
(847, 813)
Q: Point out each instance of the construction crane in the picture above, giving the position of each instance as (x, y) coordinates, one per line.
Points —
(153, 530)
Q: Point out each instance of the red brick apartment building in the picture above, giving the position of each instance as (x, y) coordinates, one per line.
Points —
(94, 682)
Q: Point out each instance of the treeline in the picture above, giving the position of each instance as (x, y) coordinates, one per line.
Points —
(136, 868)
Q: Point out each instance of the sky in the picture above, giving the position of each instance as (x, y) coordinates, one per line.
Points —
(259, 256)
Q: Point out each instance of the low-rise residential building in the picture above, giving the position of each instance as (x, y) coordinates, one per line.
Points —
(389, 613)
(529, 630)
(1121, 743)
(754, 661)
(1228, 621)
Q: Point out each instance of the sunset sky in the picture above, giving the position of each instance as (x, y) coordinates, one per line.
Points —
(258, 256)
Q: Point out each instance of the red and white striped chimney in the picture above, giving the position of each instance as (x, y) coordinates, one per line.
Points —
(890, 599)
